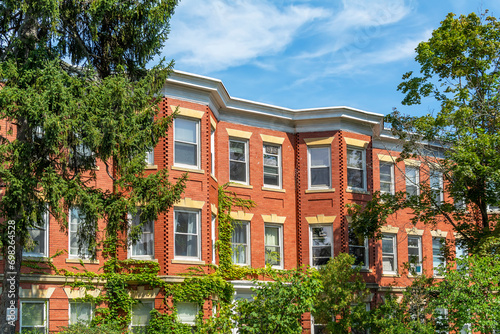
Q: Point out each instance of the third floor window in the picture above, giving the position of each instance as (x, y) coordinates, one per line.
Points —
(186, 142)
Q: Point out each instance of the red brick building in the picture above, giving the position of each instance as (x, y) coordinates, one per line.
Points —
(300, 167)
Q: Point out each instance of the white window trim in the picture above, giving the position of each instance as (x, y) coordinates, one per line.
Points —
(46, 219)
(143, 302)
(311, 226)
(197, 121)
(248, 259)
(392, 191)
(419, 262)
(247, 163)
(280, 169)
(441, 185)
(309, 148)
(281, 244)
(45, 313)
(395, 253)
(130, 248)
(212, 151)
(417, 178)
(70, 302)
(434, 269)
(198, 233)
(73, 256)
(190, 323)
(363, 157)
(150, 157)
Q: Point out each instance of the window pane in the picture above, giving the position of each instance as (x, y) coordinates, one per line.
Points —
(272, 236)
(320, 176)
(238, 171)
(80, 312)
(355, 178)
(141, 313)
(387, 245)
(355, 158)
(185, 130)
(186, 154)
(187, 312)
(237, 151)
(271, 180)
(33, 314)
(270, 160)
(186, 222)
(186, 245)
(388, 263)
(320, 156)
(239, 233)
(359, 254)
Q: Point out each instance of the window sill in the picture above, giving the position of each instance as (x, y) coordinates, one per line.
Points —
(391, 275)
(365, 270)
(190, 170)
(196, 262)
(357, 191)
(86, 261)
(438, 276)
(274, 189)
(314, 191)
(240, 185)
(146, 258)
(151, 167)
(414, 276)
(34, 258)
(213, 177)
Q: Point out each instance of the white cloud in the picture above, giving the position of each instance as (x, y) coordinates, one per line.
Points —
(214, 35)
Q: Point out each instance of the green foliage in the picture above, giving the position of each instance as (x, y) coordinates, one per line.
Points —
(166, 324)
(340, 305)
(79, 328)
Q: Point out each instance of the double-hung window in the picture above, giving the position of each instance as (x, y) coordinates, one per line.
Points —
(272, 166)
(144, 247)
(141, 316)
(356, 168)
(389, 254)
(214, 219)
(438, 260)
(34, 317)
(461, 252)
(386, 178)
(273, 243)
(80, 312)
(187, 234)
(77, 248)
(319, 160)
(412, 180)
(238, 161)
(415, 253)
(150, 157)
(321, 241)
(436, 183)
(240, 243)
(186, 142)
(358, 247)
(39, 234)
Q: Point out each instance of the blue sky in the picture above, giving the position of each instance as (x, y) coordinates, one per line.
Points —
(310, 53)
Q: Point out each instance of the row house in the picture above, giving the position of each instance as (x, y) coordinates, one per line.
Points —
(300, 167)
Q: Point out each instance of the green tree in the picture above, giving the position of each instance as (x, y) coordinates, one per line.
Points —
(460, 69)
(62, 118)
(341, 304)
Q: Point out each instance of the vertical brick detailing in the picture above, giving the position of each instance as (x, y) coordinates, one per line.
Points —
(208, 212)
(164, 164)
(343, 220)
(298, 202)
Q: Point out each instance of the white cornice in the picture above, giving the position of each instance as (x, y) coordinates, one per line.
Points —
(212, 92)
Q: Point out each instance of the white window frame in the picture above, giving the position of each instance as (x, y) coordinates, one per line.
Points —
(280, 244)
(434, 269)
(45, 229)
(394, 254)
(363, 169)
(410, 182)
(197, 143)
(246, 162)
(392, 186)
(131, 247)
(366, 265)
(432, 174)
(310, 167)
(248, 257)
(70, 231)
(198, 234)
(279, 185)
(311, 242)
(143, 302)
(313, 323)
(150, 157)
(419, 250)
(45, 313)
(190, 323)
(212, 152)
(72, 302)
(214, 238)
